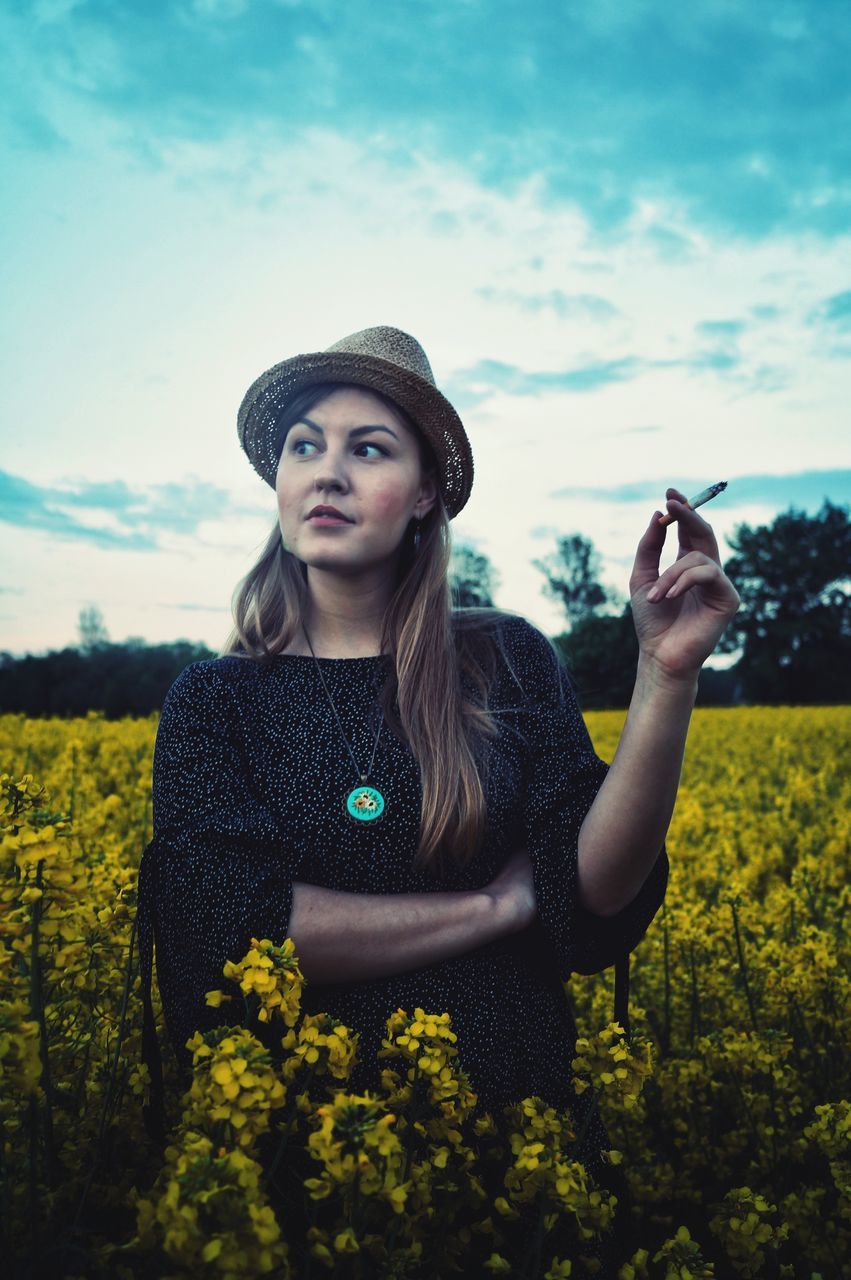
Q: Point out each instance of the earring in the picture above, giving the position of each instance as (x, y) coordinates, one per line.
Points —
(417, 536)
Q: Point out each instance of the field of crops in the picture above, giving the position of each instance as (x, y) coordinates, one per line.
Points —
(729, 1110)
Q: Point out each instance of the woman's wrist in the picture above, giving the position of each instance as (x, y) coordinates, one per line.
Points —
(654, 680)
(506, 912)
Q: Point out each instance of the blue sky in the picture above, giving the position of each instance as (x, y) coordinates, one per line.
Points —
(621, 232)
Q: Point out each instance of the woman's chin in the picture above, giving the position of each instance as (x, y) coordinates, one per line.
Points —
(337, 561)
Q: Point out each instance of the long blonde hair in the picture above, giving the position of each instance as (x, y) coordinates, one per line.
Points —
(434, 648)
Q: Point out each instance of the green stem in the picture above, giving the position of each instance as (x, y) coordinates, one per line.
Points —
(666, 1033)
(308, 1256)
(35, 1209)
(146, 818)
(533, 1253)
(105, 1106)
(697, 1121)
(37, 1013)
(733, 1079)
(743, 967)
(354, 1218)
(592, 1106)
(695, 999)
(6, 1204)
(539, 1238)
(72, 800)
(106, 1113)
(416, 1092)
(82, 1075)
(285, 1127)
(814, 909)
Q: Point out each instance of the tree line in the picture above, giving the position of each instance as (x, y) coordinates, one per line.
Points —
(791, 637)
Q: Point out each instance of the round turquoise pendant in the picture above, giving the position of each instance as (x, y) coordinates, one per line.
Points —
(365, 804)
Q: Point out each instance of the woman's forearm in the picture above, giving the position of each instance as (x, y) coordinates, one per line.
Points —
(624, 830)
(352, 937)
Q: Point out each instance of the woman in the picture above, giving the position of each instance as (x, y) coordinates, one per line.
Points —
(407, 790)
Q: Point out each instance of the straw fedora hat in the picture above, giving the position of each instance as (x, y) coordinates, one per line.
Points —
(382, 359)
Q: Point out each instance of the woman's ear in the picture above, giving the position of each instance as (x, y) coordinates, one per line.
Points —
(427, 495)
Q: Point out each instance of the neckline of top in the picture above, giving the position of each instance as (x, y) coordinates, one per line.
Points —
(309, 657)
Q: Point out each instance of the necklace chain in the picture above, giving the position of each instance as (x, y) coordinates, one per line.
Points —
(363, 776)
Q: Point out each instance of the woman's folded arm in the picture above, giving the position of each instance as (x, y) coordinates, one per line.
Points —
(353, 937)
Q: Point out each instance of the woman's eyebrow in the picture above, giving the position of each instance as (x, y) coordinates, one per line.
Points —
(355, 431)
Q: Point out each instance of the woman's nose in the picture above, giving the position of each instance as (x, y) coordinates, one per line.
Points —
(331, 472)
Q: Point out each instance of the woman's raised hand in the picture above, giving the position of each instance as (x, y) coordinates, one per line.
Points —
(679, 615)
(513, 891)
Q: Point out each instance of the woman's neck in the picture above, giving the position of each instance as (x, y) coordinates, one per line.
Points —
(321, 651)
(338, 637)
(342, 620)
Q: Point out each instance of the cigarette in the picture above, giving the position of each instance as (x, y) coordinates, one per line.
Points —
(705, 495)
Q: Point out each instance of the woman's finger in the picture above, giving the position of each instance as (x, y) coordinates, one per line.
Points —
(695, 533)
(691, 560)
(645, 566)
(666, 518)
(691, 578)
(702, 574)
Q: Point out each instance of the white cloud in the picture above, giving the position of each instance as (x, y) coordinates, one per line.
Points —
(148, 298)
(219, 9)
(47, 11)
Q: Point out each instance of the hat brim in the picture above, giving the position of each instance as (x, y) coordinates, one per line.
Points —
(268, 396)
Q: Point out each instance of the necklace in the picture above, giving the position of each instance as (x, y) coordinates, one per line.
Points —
(364, 803)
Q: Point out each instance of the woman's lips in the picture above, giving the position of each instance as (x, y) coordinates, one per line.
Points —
(327, 520)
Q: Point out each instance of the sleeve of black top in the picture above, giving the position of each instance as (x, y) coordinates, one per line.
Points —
(563, 778)
(223, 871)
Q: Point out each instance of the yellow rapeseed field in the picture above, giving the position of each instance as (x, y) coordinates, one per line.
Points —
(729, 1107)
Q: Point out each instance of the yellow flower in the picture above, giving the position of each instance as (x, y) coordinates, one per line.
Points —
(234, 1083)
(271, 975)
(207, 1207)
(744, 1225)
(318, 1244)
(216, 998)
(683, 1257)
(346, 1241)
(498, 1265)
(357, 1145)
(427, 1043)
(752, 937)
(636, 1268)
(20, 1055)
(608, 1059)
(323, 1043)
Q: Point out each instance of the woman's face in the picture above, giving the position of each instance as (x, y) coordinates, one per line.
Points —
(352, 452)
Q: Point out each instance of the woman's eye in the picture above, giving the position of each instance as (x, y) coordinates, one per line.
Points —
(296, 446)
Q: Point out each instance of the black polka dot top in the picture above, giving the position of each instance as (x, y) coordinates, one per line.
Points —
(249, 775)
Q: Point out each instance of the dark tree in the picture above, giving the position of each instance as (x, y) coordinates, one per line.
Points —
(601, 655)
(117, 679)
(91, 629)
(794, 623)
(571, 578)
(471, 578)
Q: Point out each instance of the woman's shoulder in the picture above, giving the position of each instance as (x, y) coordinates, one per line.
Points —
(488, 621)
(506, 627)
(526, 654)
(211, 677)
